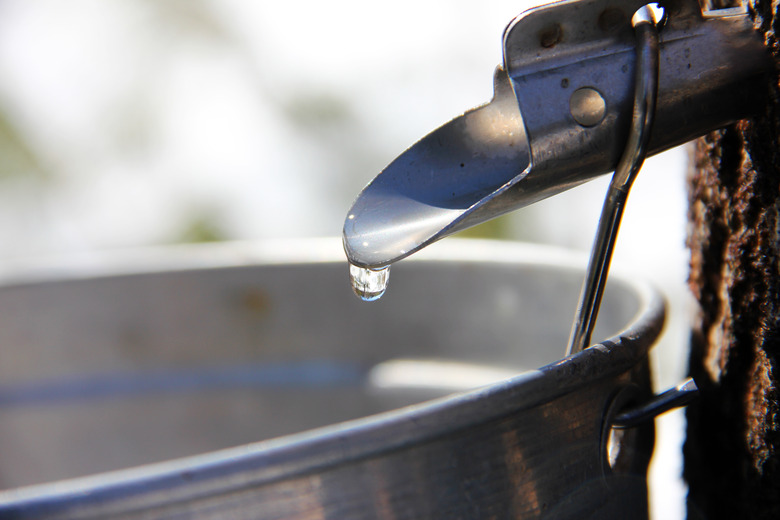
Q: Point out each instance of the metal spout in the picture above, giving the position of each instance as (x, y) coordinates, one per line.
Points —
(436, 187)
(559, 117)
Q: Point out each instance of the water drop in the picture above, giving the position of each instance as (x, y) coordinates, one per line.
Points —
(369, 284)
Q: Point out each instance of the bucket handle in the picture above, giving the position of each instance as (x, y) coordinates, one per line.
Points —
(676, 397)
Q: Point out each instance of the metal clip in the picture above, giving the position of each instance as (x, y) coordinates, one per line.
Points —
(676, 397)
(642, 120)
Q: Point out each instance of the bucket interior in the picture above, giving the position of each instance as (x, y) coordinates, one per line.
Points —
(109, 372)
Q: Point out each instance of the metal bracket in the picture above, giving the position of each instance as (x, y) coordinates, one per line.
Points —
(709, 65)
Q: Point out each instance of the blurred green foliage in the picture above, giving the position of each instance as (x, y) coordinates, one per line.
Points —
(333, 132)
(202, 226)
(316, 110)
(188, 18)
(498, 228)
(17, 157)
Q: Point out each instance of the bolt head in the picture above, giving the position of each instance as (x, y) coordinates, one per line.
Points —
(587, 106)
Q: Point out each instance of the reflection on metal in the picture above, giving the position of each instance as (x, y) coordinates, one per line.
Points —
(436, 373)
(643, 116)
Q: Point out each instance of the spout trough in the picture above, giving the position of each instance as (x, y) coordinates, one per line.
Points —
(433, 189)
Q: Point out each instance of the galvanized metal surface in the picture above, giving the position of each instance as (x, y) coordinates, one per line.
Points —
(104, 372)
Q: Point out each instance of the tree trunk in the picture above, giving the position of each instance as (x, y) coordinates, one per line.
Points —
(732, 451)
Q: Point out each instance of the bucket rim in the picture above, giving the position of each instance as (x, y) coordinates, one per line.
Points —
(286, 457)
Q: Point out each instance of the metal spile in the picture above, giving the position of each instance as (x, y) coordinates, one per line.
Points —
(560, 116)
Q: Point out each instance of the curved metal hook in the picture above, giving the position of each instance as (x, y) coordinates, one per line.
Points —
(645, 94)
(676, 397)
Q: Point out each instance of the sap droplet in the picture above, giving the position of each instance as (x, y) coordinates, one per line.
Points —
(369, 284)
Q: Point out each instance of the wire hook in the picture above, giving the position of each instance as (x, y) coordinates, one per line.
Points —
(645, 95)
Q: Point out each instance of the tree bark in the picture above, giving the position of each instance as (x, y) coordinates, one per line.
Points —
(732, 451)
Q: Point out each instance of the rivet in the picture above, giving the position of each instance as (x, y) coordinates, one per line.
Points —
(611, 19)
(551, 36)
(587, 106)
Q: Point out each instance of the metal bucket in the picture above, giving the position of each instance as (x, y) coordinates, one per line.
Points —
(182, 364)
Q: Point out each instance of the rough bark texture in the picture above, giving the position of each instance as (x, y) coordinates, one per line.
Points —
(732, 452)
